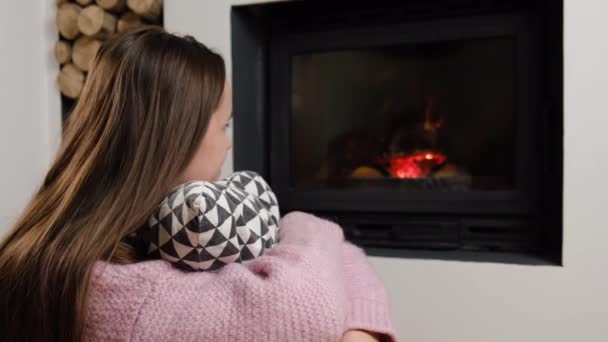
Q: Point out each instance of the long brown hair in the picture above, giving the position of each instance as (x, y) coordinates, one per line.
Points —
(144, 109)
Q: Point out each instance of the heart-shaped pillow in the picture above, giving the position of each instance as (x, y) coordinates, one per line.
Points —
(202, 225)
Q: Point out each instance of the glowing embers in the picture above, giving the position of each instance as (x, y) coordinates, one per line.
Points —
(417, 165)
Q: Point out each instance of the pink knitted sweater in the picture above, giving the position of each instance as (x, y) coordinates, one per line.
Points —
(312, 286)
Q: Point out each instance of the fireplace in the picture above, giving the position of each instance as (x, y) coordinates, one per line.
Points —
(414, 124)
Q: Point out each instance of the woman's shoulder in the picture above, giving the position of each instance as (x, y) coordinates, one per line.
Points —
(151, 300)
(119, 295)
(116, 295)
(148, 270)
(154, 273)
(111, 276)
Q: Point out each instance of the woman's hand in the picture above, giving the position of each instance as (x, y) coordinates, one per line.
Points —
(359, 336)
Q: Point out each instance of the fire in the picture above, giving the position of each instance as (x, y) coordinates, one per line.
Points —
(419, 164)
(415, 165)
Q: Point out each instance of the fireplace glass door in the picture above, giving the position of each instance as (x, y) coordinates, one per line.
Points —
(437, 116)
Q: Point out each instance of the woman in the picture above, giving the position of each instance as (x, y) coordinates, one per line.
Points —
(152, 115)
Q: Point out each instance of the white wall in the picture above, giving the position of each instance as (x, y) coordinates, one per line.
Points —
(432, 300)
(30, 111)
(460, 301)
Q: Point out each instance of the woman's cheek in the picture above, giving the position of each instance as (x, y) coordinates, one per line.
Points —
(228, 140)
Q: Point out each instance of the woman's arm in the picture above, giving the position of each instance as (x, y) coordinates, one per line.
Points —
(368, 316)
(361, 336)
(369, 305)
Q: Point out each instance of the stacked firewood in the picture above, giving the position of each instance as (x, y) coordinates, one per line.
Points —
(84, 24)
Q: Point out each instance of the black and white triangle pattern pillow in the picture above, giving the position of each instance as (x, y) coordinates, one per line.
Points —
(202, 225)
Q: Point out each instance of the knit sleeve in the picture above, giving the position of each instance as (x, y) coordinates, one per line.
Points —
(368, 302)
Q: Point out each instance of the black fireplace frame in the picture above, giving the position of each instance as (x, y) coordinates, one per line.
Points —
(519, 201)
(264, 36)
